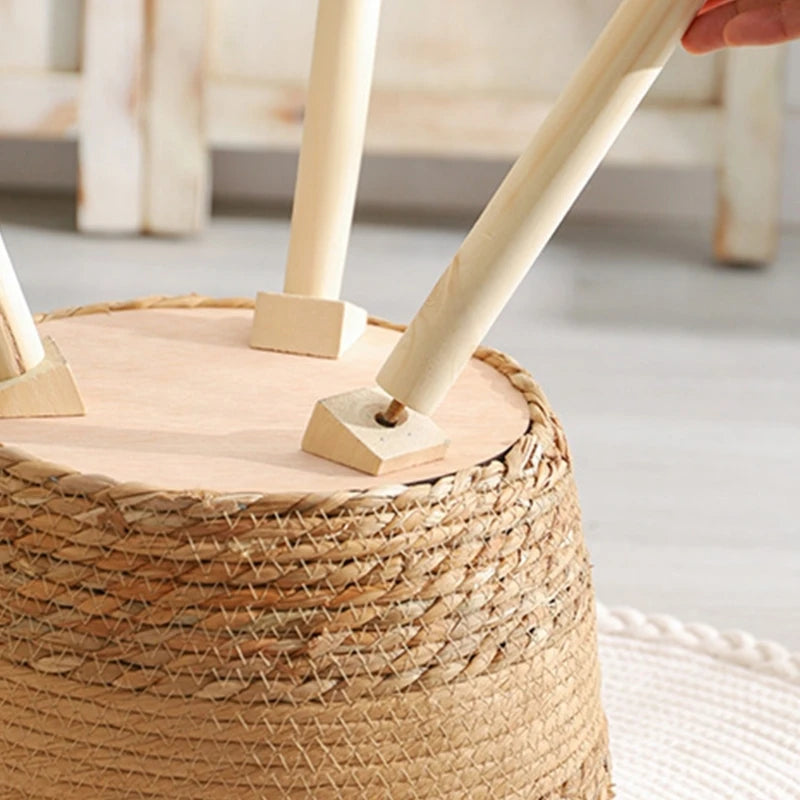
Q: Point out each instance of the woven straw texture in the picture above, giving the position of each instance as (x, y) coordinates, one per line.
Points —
(696, 714)
(427, 641)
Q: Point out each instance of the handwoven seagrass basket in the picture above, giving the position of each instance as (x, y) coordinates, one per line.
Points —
(429, 638)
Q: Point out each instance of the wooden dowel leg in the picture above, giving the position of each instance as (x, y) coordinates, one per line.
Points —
(500, 249)
(333, 140)
(20, 346)
(533, 200)
(309, 318)
(35, 380)
(749, 212)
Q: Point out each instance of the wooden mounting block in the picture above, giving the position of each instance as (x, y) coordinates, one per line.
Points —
(46, 390)
(344, 429)
(309, 326)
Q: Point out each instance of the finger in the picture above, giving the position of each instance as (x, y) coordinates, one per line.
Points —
(710, 5)
(743, 22)
(707, 32)
(770, 25)
(744, 5)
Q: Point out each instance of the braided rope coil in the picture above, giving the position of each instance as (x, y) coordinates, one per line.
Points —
(733, 647)
(434, 640)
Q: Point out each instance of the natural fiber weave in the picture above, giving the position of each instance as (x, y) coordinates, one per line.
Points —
(425, 641)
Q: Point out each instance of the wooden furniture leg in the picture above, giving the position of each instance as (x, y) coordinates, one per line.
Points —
(176, 195)
(308, 317)
(110, 142)
(748, 218)
(512, 231)
(35, 380)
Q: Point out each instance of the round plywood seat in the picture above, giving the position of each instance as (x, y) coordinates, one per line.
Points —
(175, 398)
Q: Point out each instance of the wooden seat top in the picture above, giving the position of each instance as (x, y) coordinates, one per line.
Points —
(177, 400)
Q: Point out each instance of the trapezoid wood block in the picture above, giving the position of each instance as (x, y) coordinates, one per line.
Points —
(308, 326)
(47, 390)
(344, 429)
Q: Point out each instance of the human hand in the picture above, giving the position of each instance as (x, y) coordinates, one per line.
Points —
(729, 23)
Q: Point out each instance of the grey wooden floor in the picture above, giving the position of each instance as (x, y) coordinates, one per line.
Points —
(678, 381)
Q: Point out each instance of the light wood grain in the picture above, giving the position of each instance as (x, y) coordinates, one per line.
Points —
(111, 147)
(20, 346)
(47, 389)
(344, 429)
(176, 187)
(750, 176)
(208, 412)
(333, 140)
(39, 105)
(534, 199)
(40, 35)
(310, 326)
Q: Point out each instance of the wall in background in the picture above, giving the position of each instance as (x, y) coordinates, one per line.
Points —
(438, 187)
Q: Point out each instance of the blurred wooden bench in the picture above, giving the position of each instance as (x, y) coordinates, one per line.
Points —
(148, 87)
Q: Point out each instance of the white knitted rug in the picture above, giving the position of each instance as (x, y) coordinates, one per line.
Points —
(696, 714)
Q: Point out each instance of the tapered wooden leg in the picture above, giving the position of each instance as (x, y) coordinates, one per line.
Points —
(35, 380)
(748, 220)
(110, 140)
(20, 346)
(309, 318)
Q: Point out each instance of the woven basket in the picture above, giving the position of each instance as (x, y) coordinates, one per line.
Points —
(428, 641)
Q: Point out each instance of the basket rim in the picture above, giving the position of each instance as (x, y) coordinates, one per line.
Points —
(511, 463)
